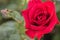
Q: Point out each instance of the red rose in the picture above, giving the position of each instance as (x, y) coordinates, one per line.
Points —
(40, 18)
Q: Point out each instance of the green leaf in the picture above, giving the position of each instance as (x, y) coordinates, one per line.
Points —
(16, 16)
(21, 29)
(12, 14)
(8, 31)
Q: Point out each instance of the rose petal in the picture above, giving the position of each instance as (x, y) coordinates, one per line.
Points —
(26, 18)
(32, 10)
(39, 35)
(37, 28)
(53, 22)
(32, 2)
(30, 33)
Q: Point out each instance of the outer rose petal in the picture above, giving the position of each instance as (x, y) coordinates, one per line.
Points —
(53, 21)
(26, 18)
(39, 35)
(52, 6)
(30, 33)
(32, 2)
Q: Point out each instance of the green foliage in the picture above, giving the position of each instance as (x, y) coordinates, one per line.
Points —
(57, 33)
(8, 31)
(13, 29)
(15, 15)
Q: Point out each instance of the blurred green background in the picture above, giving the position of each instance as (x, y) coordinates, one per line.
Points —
(12, 23)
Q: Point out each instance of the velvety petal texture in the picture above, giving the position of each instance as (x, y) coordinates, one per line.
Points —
(40, 18)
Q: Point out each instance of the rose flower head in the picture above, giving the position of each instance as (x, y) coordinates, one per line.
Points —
(40, 18)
